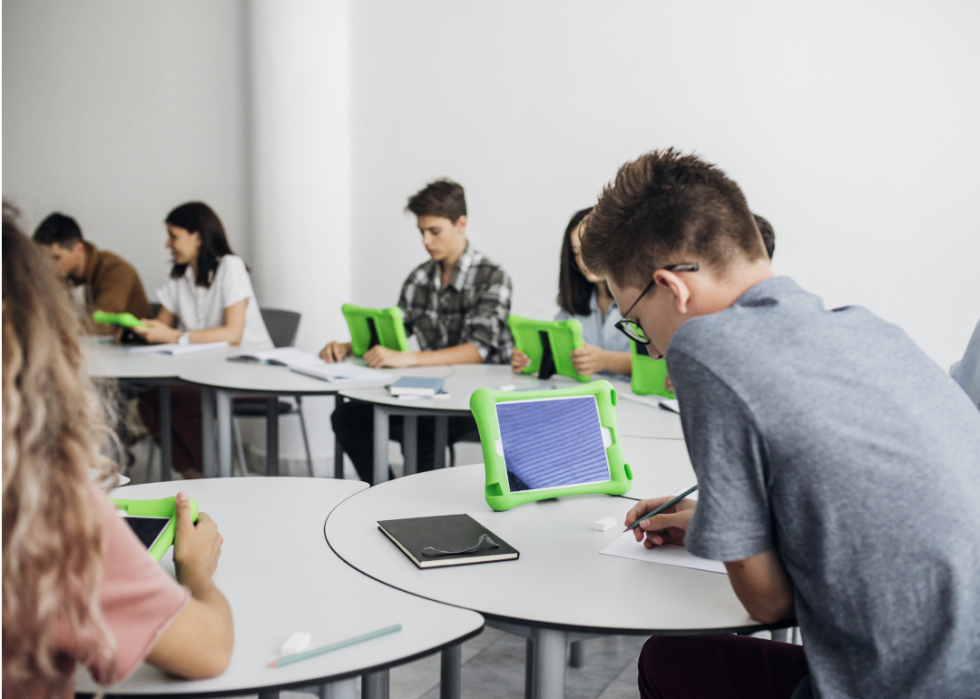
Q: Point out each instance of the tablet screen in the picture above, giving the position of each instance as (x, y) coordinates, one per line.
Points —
(552, 442)
(147, 529)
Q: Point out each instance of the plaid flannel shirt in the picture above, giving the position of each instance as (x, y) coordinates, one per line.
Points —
(473, 307)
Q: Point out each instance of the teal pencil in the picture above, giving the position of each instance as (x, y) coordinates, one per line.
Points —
(657, 511)
(333, 646)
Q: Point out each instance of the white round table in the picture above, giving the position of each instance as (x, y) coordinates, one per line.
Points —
(660, 466)
(280, 576)
(633, 419)
(559, 589)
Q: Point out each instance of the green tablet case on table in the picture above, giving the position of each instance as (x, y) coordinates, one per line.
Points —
(375, 326)
(554, 443)
(164, 507)
(126, 320)
(649, 374)
(548, 344)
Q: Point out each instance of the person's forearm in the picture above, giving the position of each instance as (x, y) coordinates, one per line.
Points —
(223, 333)
(619, 363)
(460, 354)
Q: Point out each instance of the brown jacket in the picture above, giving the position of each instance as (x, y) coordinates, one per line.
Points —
(112, 285)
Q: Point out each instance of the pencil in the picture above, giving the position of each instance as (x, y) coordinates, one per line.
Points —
(333, 646)
(657, 511)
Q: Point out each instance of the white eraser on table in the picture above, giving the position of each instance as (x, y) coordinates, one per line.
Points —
(295, 644)
(604, 524)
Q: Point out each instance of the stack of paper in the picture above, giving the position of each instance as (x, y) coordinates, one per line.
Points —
(177, 350)
(309, 364)
(626, 546)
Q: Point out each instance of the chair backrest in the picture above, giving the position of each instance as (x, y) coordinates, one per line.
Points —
(282, 325)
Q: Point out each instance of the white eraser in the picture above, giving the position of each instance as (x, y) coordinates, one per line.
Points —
(604, 524)
(296, 643)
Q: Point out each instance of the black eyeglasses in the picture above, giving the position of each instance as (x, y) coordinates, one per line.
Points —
(632, 329)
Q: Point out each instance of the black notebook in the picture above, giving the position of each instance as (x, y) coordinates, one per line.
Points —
(450, 540)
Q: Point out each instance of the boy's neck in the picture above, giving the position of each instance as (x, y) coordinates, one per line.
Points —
(448, 264)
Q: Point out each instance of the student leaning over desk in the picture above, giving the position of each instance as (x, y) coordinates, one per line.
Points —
(585, 297)
(78, 586)
(839, 467)
(208, 298)
(456, 305)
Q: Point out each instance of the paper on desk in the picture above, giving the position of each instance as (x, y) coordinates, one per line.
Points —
(654, 401)
(626, 546)
(338, 371)
(178, 350)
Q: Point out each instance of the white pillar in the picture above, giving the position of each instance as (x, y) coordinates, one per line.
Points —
(298, 106)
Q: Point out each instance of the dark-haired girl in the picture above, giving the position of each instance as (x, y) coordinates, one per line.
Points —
(208, 298)
(586, 298)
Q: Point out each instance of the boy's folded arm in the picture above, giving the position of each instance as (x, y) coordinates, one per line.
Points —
(763, 587)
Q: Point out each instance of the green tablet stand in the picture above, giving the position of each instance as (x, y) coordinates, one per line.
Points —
(126, 320)
(499, 495)
(164, 507)
(649, 374)
(375, 326)
(548, 344)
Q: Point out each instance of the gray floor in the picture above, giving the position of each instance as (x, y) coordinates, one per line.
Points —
(493, 668)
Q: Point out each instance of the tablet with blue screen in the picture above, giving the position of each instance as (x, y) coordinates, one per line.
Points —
(545, 444)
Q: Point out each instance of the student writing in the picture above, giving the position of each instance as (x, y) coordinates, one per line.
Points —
(585, 297)
(839, 467)
(456, 305)
(103, 280)
(78, 586)
(208, 298)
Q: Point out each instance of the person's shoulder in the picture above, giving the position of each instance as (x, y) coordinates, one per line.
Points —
(231, 263)
(108, 261)
(423, 273)
(488, 269)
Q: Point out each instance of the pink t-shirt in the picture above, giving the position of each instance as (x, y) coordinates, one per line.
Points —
(138, 599)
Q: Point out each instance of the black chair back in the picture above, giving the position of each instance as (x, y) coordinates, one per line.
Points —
(282, 325)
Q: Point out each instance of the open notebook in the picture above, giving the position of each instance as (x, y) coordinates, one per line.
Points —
(309, 364)
(178, 350)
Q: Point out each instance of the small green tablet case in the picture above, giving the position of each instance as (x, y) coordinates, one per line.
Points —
(375, 326)
(543, 446)
(649, 374)
(126, 320)
(164, 507)
(548, 344)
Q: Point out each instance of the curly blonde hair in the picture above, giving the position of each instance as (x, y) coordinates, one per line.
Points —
(53, 429)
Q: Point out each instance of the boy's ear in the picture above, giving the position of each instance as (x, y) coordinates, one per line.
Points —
(676, 286)
(460, 222)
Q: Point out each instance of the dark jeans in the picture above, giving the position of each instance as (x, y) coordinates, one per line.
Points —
(353, 427)
(720, 667)
(185, 424)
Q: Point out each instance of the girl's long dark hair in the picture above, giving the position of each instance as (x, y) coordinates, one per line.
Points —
(198, 217)
(574, 290)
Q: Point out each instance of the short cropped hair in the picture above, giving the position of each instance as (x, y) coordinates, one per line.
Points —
(60, 229)
(666, 208)
(443, 197)
(768, 234)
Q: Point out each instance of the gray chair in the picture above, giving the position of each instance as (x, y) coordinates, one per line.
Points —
(282, 327)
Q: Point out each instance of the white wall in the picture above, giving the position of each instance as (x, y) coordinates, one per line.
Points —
(115, 112)
(851, 126)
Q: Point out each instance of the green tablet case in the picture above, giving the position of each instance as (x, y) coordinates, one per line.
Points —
(164, 507)
(649, 374)
(548, 344)
(483, 404)
(375, 326)
(126, 320)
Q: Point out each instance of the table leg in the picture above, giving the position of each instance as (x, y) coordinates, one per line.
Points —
(269, 694)
(380, 445)
(344, 689)
(410, 443)
(272, 436)
(549, 663)
(338, 449)
(224, 403)
(166, 434)
(442, 440)
(529, 669)
(450, 672)
(374, 685)
(782, 635)
(576, 654)
(207, 431)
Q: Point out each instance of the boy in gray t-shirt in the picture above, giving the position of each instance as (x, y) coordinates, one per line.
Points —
(839, 467)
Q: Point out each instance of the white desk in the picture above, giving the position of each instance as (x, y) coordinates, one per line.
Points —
(660, 466)
(280, 576)
(560, 587)
(633, 419)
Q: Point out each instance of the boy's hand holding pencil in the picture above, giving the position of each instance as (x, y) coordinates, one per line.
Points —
(661, 520)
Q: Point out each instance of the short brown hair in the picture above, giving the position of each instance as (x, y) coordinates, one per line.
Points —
(442, 197)
(664, 208)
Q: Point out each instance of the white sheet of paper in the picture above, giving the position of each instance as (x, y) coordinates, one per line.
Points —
(670, 404)
(339, 371)
(178, 350)
(626, 546)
